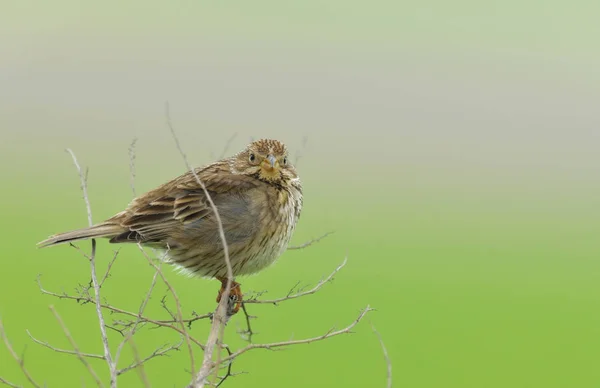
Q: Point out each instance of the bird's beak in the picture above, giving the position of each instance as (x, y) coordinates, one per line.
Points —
(270, 162)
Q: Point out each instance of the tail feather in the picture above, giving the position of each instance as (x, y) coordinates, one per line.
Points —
(100, 230)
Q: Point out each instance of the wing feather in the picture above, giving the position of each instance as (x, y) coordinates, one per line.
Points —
(167, 210)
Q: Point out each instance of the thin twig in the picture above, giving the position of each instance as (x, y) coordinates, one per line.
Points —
(133, 330)
(291, 295)
(58, 350)
(132, 165)
(386, 356)
(83, 182)
(184, 330)
(220, 317)
(309, 243)
(162, 323)
(228, 373)
(14, 354)
(328, 334)
(161, 351)
(299, 153)
(80, 251)
(249, 333)
(107, 273)
(139, 364)
(6, 382)
(75, 347)
(227, 145)
(111, 366)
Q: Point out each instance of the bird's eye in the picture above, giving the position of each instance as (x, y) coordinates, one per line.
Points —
(252, 158)
(285, 160)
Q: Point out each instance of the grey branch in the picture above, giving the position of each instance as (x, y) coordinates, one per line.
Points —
(107, 273)
(330, 333)
(163, 323)
(76, 348)
(18, 359)
(107, 356)
(132, 166)
(309, 243)
(133, 330)
(6, 382)
(227, 145)
(58, 350)
(221, 313)
(185, 333)
(161, 351)
(292, 295)
(386, 356)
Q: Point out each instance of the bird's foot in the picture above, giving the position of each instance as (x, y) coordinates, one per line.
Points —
(235, 295)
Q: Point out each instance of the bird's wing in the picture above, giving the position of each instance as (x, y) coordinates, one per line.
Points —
(170, 208)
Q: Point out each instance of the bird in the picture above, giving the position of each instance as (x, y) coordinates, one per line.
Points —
(258, 196)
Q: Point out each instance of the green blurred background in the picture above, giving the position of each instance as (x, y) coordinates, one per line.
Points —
(452, 146)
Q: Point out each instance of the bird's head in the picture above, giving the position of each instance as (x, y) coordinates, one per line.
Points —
(267, 160)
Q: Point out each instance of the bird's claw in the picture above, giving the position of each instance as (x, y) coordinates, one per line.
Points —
(235, 296)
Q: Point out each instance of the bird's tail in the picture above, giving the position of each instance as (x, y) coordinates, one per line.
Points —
(101, 230)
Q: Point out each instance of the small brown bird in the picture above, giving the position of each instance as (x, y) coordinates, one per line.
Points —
(258, 196)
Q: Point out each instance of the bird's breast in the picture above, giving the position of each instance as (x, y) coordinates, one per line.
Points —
(277, 215)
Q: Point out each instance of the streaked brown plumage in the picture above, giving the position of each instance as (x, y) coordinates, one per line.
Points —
(259, 198)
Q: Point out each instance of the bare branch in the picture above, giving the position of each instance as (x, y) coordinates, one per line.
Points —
(309, 243)
(80, 251)
(162, 323)
(219, 321)
(248, 333)
(221, 315)
(58, 350)
(328, 334)
(299, 152)
(14, 354)
(177, 304)
(161, 351)
(75, 347)
(6, 382)
(292, 295)
(140, 366)
(107, 273)
(83, 181)
(386, 356)
(132, 165)
(133, 330)
(227, 145)
(212, 206)
(111, 366)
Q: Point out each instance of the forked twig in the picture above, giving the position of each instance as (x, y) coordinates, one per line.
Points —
(161, 351)
(273, 345)
(14, 355)
(163, 323)
(309, 243)
(177, 304)
(110, 264)
(291, 295)
(133, 330)
(79, 355)
(107, 356)
(59, 350)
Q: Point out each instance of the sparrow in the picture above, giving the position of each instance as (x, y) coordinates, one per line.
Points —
(257, 193)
